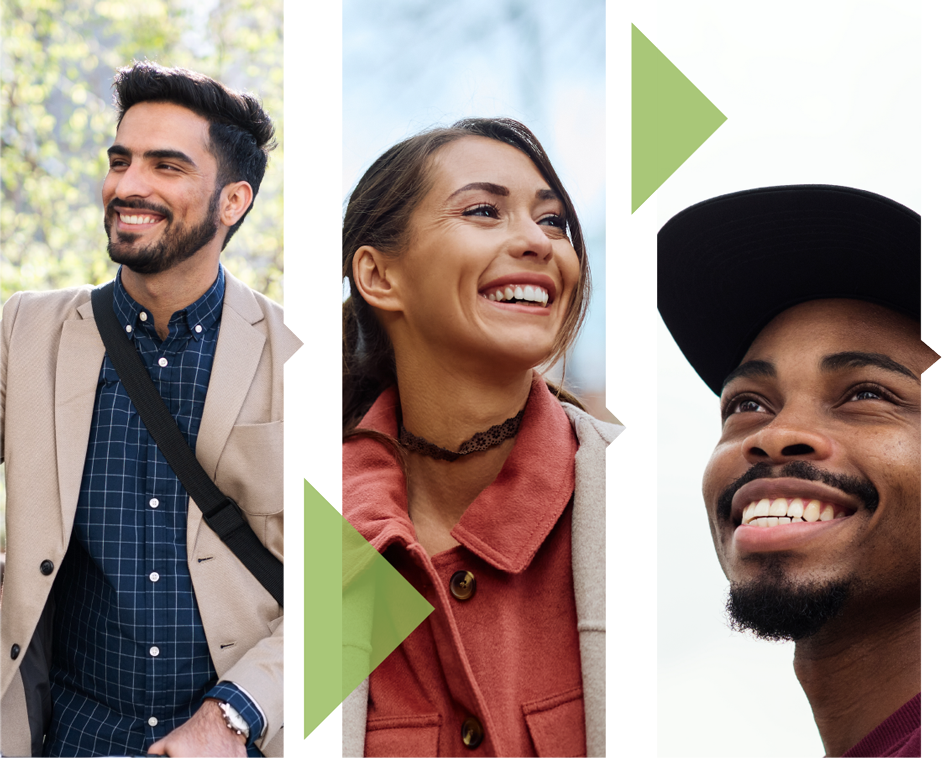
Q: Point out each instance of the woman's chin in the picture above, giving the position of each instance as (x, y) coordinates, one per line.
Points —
(513, 357)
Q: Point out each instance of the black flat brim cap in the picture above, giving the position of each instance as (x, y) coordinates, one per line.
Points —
(729, 265)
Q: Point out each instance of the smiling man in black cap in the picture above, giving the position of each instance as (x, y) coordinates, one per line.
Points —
(799, 306)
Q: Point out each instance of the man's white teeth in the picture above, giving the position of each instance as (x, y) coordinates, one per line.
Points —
(780, 510)
(521, 292)
(138, 219)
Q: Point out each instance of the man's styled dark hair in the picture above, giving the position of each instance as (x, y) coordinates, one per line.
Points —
(241, 132)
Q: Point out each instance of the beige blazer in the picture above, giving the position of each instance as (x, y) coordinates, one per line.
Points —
(50, 361)
(589, 585)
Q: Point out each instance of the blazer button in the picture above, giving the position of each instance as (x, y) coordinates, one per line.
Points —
(462, 585)
(472, 732)
(15, 652)
(46, 567)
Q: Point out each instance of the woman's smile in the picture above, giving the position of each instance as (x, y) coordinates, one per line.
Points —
(489, 270)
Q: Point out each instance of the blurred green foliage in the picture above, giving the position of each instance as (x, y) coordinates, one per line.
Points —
(56, 66)
(57, 62)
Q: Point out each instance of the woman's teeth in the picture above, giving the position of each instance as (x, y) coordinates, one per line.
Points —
(780, 510)
(520, 292)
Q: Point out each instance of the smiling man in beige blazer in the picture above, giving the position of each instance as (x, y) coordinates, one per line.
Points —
(127, 625)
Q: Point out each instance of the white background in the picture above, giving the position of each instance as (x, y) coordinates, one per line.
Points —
(814, 92)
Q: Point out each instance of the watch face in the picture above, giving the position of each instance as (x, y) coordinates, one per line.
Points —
(233, 720)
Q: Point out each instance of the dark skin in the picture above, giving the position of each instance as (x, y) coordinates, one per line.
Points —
(835, 383)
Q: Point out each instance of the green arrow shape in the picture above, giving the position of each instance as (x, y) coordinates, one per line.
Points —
(671, 118)
(323, 607)
(358, 609)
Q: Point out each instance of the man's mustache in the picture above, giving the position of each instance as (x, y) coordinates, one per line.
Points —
(850, 485)
(138, 205)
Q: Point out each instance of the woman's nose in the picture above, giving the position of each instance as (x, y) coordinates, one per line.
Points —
(532, 241)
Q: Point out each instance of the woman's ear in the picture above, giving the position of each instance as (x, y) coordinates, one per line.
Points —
(375, 277)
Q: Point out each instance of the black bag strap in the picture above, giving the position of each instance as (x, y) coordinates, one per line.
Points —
(220, 512)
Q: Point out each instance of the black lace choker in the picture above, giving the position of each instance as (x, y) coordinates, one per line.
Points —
(481, 441)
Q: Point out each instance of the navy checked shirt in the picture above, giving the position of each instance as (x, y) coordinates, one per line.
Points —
(130, 657)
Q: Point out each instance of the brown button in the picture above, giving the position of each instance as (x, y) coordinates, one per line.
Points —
(472, 732)
(462, 585)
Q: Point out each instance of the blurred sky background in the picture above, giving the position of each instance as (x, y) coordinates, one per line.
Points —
(414, 64)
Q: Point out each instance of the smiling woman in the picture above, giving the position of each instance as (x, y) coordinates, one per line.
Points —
(480, 483)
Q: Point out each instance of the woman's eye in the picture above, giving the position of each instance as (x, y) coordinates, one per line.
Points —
(553, 220)
(485, 209)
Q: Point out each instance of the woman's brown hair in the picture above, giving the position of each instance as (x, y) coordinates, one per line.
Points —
(378, 215)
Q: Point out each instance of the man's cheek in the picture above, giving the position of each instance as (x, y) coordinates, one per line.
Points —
(718, 474)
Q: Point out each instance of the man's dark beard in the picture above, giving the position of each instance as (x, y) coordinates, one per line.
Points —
(173, 248)
(777, 609)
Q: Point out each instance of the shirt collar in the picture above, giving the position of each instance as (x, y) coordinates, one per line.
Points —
(508, 522)
(197, 318)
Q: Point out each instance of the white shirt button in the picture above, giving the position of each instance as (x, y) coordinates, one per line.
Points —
(154, 502)
(198, 329)
(154, 651)
(162, 362)
(129, 328)
(153, 576)
(152, 721)
(143, 316)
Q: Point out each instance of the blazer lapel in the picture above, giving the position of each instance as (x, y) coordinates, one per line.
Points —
(78, 366)
(238, 352)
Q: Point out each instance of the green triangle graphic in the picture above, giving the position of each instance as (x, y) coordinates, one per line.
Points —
(644, 61)
(671, 118)
(358, 609)
(322, 611)
(380, 608)
(648, 28)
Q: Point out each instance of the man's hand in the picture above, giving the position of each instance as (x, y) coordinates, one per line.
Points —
(203, 736)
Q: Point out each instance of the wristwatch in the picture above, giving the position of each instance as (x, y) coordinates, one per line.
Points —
(233, 720)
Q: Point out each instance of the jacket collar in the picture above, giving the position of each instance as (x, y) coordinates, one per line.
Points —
(507, 523)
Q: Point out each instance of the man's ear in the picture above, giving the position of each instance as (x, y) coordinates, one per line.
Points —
(375, 277)
(234, 201)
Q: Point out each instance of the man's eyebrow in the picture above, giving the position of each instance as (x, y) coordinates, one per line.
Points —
(494, 189)
(852, 359)
(166, 154)
(751, 369)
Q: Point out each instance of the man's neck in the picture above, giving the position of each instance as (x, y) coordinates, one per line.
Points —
(169, 291)
(857, 673)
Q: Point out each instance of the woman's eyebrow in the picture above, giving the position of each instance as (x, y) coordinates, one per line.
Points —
(853, 359)
(494, 189)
